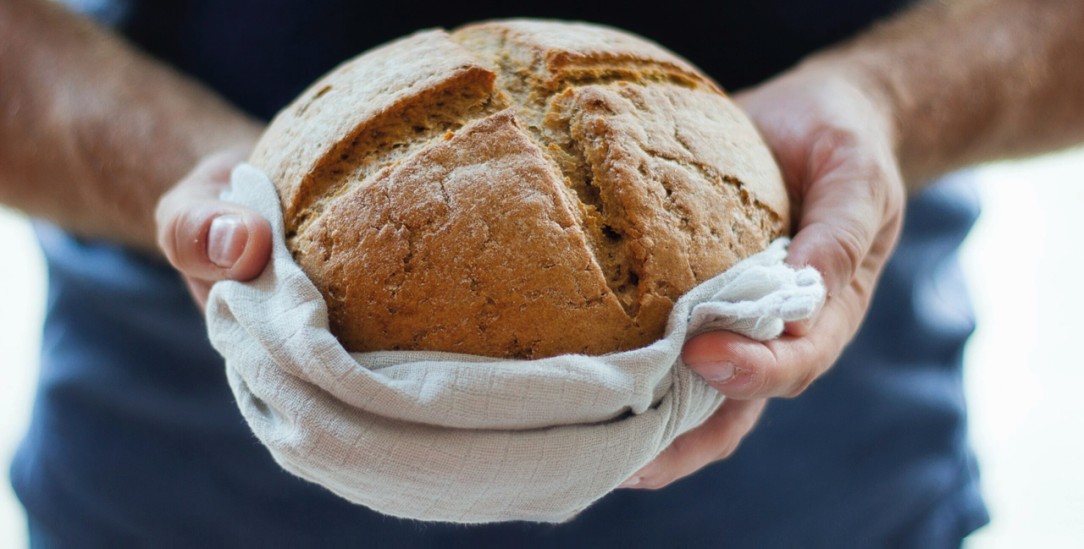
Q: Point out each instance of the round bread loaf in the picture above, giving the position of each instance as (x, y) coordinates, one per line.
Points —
(517, 189)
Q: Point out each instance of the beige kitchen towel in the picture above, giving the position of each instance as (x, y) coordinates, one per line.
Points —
(468, 439)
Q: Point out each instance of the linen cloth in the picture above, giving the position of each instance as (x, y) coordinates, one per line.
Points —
(468, 439)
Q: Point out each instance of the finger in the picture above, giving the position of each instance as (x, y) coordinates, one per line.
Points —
(743, 368)
(717, 438)
(212, 240)
(855, 206)
(206, 238)
(855, 195)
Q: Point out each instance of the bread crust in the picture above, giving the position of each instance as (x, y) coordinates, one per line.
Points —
(517, 189)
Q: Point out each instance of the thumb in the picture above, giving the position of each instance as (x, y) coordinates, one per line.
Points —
(206, 238)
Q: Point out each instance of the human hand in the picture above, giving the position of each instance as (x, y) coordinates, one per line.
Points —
(207, 239)
(833, 138)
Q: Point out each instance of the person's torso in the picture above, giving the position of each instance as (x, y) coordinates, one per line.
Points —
(136, 437)
(262, 54)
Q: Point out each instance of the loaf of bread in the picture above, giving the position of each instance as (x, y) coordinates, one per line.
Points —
(517, 189)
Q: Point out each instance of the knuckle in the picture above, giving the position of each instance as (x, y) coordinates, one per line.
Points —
(760, 379)
(830, 147)
(767, 375)
(801, 383)
(885, 186)
(847, 249)
(816, 361)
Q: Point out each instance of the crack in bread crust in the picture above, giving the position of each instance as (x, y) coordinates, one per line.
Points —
(410, 126)
(613, 206)
(543, 90)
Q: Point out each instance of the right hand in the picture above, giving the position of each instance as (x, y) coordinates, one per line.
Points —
(205, 238)
(832, 135)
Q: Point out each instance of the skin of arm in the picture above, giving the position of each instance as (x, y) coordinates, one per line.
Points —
(942, 86)
(975, 80)
(92, 132)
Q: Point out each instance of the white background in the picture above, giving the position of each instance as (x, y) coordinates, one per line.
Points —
(1024, 375)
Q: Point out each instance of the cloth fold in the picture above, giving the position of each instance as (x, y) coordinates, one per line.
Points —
(459, 438)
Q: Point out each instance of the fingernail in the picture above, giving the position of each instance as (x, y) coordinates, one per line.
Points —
(720, 372)
(631, 482)
(226, 240)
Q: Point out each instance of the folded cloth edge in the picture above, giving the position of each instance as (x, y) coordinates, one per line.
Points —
(395, 431)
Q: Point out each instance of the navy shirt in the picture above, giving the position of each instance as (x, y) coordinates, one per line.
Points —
(135, 438)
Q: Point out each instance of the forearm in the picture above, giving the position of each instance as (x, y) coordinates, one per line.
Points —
(969, 81)
(92, 132)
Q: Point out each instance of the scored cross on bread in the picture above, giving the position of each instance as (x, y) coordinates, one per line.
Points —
(517, 189)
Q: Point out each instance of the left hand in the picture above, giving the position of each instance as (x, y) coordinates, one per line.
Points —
(833, 137)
